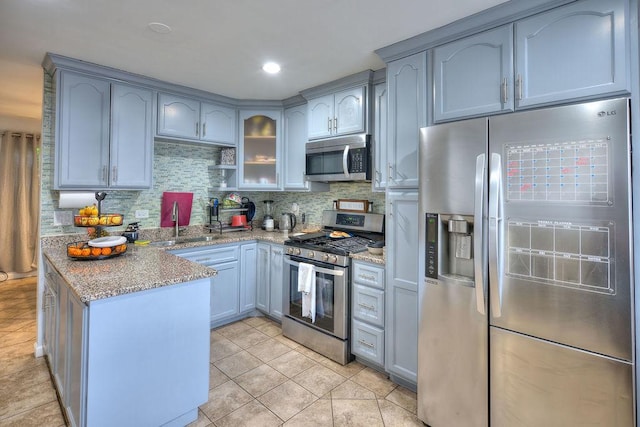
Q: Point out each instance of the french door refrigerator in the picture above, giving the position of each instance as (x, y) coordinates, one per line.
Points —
(526, 305)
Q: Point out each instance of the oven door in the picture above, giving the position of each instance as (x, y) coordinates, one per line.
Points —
(332, 298)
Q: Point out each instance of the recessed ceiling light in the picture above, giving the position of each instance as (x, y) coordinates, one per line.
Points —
(159, 27)
(271, 67)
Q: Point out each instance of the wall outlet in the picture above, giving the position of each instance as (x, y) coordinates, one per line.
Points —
(62, 217)
(142, 213)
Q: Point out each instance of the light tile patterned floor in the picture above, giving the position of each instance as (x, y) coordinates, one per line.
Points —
(257, 378)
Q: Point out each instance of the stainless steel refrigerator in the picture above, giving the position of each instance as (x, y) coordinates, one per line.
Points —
(526, 306)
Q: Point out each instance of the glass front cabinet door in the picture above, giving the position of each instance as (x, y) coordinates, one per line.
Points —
(260, 150)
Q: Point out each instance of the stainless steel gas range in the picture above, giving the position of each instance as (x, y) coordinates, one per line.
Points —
(320, 318)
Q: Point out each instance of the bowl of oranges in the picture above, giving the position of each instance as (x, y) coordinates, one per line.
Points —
(100, 248)
(89, 216)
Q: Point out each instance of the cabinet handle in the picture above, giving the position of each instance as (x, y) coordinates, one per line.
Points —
(197, 129)
(389, 170)
(363, 342)
(367, 277)
(114, 177)
(505, 93)
(329, 124)
(366, 306)
(104, 174)
(199, 260)
(335, 124)
(519, 87)
(204, 129)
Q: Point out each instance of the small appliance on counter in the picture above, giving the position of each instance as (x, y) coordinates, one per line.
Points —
(267, 219)
(287, 222)
(131, 232)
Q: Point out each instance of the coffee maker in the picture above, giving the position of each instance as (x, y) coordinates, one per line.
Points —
(268, 212)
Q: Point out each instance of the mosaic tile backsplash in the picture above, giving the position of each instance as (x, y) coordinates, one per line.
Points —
(181, 167)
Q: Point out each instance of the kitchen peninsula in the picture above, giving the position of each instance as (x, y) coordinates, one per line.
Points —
(127, 338)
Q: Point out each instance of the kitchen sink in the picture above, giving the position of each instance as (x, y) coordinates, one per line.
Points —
(165, 243)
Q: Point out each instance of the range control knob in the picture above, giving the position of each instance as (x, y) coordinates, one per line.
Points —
(333, 259)
(311, 254)
(289, 251)
(297, 251)
(325, 257)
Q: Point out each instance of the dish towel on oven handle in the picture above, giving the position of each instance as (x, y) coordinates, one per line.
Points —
(307, 285)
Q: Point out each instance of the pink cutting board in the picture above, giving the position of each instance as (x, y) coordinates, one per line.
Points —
(185, 200)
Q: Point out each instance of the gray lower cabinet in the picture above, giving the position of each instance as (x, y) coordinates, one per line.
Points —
(248, 277)
(401, 325)
(368, 312)
(568, 53)
(270, 279)
(104, 134)
(233, 289)
(407, 113)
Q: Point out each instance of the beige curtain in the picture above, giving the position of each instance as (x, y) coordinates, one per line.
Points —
(19, 201)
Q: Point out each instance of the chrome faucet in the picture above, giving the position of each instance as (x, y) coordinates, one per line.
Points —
(174, 216)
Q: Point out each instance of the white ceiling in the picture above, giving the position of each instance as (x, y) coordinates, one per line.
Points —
(216, 45)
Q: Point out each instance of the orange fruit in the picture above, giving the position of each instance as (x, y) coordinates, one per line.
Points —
(96, 251)
(116, 220)
(106, 251)
(85, 252)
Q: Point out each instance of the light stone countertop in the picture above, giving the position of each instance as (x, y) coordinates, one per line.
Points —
(147, 267)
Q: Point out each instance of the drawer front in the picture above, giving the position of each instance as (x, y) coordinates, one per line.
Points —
(368, 342)
(209, 254)
(368, 274)
(368, 305)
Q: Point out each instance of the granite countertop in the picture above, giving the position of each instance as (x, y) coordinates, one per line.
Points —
(139, 269)
(147, 267)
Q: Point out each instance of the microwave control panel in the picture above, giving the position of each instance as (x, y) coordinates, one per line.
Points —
(358, 161)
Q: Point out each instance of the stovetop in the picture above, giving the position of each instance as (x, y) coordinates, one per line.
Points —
(362, 228)
(324, 243)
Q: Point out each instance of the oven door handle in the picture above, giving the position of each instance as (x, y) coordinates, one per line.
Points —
(318, 269)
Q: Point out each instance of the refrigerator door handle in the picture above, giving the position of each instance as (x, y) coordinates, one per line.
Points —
(478, 231)
(495, 234)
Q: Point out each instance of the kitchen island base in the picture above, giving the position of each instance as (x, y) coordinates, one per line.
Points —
(140, 358)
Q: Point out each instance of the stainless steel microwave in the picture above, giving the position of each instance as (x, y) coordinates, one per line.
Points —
(345, 158)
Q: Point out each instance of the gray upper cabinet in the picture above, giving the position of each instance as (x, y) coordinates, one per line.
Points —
(380, 103)
(406, 86)
(474, 75)
(104, 134)
(218, 124)
(341, 113)
(295, 141)
(572, 52)
(131, 137)
(82, 149)
(185, 118)
(568, 53)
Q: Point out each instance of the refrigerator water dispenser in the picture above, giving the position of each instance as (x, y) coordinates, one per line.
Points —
(449, 246)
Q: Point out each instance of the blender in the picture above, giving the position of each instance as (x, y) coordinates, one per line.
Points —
(268, 213)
